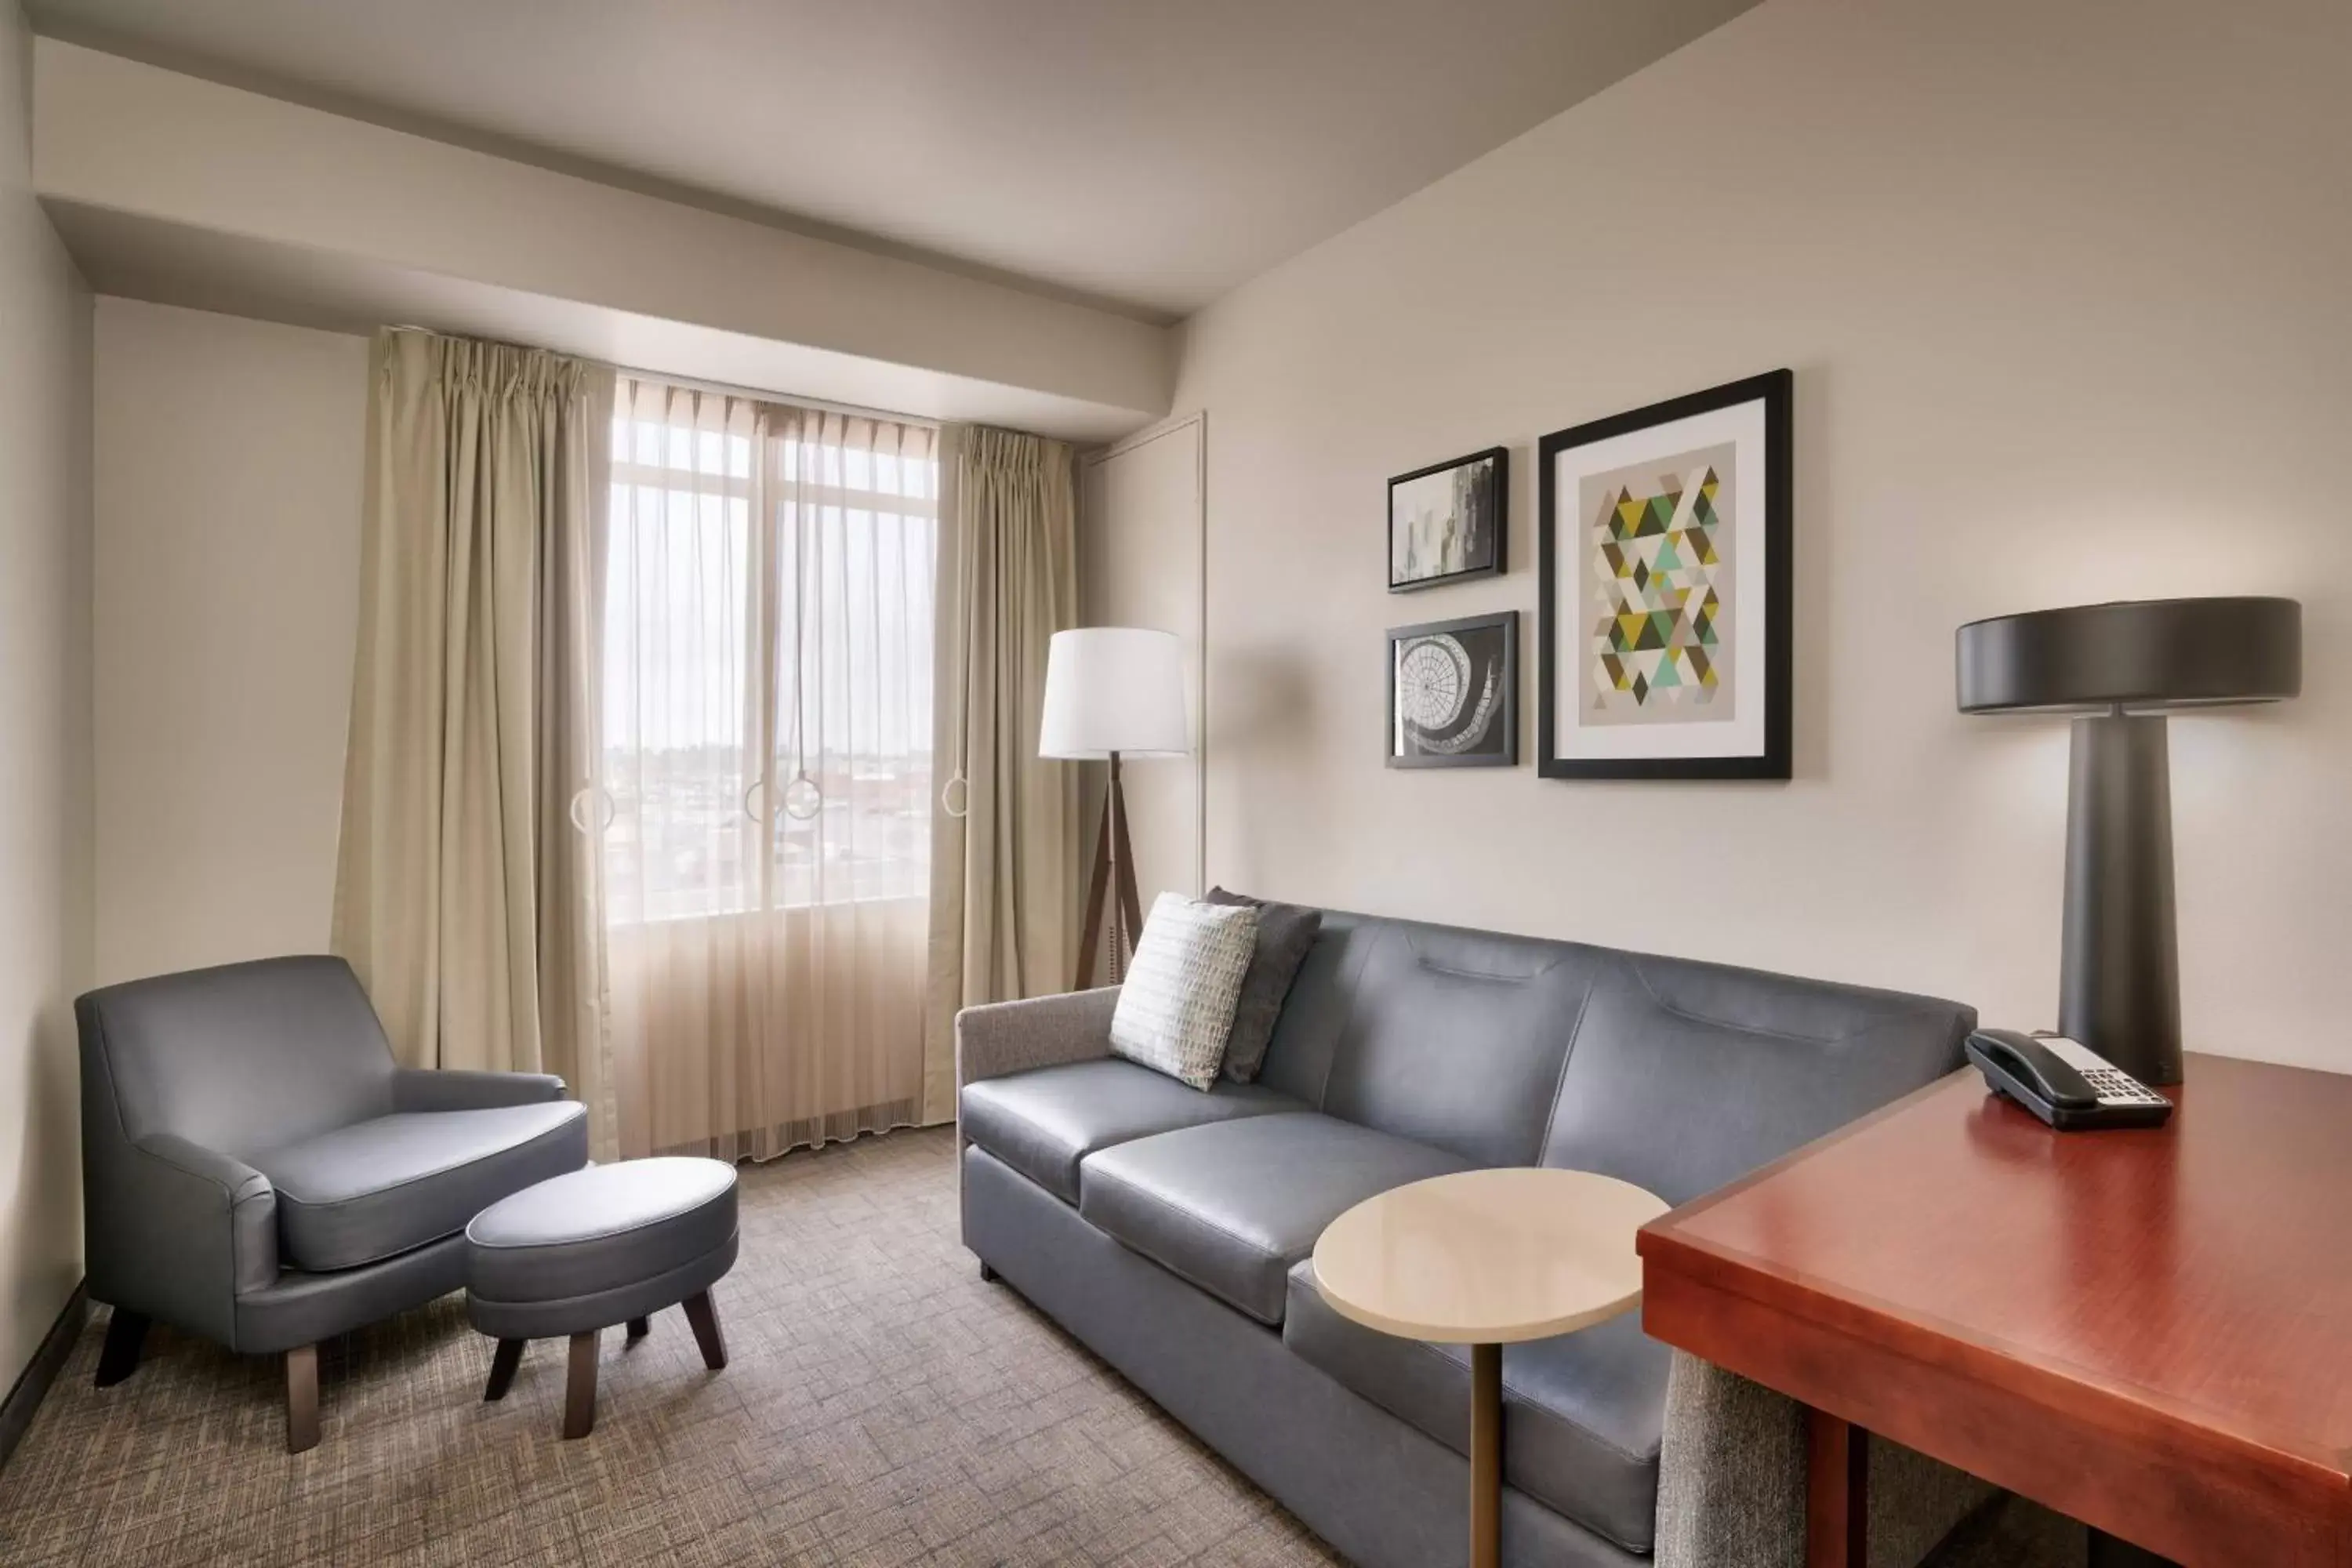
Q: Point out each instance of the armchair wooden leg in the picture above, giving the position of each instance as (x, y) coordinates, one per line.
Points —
(118, 1358)
(639, 1328)
(580, 1387)
(301, 1398)
(704, 1319)
(502, 1369)
(987, 1275)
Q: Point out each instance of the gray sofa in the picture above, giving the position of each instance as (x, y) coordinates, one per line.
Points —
(1169, 1230)
(258, 1172)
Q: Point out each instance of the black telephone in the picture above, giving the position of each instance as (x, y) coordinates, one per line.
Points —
(2066, 1084)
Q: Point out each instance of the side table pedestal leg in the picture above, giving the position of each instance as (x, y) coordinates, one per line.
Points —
(1485, 1456)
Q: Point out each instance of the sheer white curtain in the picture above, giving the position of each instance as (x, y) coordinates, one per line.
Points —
(767, 784)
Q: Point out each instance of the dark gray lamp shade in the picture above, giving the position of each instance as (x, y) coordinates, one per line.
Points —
(2136, 654)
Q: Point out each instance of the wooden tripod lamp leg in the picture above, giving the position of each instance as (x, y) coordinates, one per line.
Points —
(1129, 914)
(1111, 883)
(1098, 883)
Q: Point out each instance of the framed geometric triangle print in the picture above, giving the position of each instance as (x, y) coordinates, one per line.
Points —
(1663, 637)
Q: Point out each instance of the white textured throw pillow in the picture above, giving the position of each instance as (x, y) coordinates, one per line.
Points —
(1176, 1005)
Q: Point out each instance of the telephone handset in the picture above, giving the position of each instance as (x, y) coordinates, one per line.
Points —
(2066, 1084)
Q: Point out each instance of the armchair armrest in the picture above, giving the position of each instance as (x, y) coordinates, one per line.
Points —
(434, 1088)
(178, 1232)
(996, 1038)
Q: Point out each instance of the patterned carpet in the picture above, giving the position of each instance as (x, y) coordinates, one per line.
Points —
(882, 1406)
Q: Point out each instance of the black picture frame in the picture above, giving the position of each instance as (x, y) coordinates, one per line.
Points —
(1498, 455)
(1775, 391)
(1507, 717)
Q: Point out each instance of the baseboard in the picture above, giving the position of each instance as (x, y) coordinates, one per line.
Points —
(16, 1410)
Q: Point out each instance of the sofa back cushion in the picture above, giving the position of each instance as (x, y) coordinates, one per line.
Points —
(1674, 1075)
(1450, 1038)
(1686, 1076)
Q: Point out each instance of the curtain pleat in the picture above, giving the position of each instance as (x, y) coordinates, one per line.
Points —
(767, 683)
(1004, 918)
(464, 895)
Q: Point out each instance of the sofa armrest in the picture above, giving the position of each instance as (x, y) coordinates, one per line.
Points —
(996, 1038)
(1731, 1481)
(437, 1089)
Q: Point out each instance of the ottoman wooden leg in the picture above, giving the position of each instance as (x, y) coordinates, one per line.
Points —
(502, 1369)
(580, 1387)
(704, 1317)
(639, 1328)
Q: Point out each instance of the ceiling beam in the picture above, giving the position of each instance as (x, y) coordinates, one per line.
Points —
(170, 186)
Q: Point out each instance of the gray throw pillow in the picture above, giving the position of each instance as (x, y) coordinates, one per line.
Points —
(1285, 933)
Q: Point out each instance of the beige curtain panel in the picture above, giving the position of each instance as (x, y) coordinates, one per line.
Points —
(768, 770)
(465, 894)
(1005, 874)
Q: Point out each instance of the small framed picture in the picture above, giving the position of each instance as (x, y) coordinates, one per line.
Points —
(1446, 520)
(1663, 587)
(1454, 693)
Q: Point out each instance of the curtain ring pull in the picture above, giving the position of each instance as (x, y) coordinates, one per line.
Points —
(757, 786)
(955, 795)
(602, 798)
(803, 797)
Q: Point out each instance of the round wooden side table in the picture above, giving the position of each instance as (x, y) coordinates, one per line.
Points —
(1486, 1258)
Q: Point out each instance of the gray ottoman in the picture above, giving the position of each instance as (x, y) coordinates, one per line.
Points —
(605, 1245)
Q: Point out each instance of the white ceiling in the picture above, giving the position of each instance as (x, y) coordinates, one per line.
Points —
(1149, 154)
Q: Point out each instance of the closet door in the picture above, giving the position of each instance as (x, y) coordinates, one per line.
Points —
(1140, 561)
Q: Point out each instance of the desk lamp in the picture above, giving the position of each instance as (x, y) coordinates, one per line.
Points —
(2123, 667)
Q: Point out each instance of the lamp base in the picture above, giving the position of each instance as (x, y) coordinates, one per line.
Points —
(1113, 876)
(2119, 984)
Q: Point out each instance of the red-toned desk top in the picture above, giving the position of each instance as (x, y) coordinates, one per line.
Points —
(2150, 1330)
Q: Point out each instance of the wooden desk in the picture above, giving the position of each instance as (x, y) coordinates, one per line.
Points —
(2148, 1330)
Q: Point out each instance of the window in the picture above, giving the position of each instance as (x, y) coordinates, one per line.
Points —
(768, 656)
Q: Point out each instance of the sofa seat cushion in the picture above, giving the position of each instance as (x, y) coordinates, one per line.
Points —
(382, 1186)
(1233, 1206)
(1044, 1122)
(1582, 1414)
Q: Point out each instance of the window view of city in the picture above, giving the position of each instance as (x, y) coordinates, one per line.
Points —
(767, 646)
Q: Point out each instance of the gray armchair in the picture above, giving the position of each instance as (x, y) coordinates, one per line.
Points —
(255, 1169)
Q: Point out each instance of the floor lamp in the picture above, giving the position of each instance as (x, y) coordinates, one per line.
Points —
(2122, 667)
(1113, 693)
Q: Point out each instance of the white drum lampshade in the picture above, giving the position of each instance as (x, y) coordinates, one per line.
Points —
(1114, 690)
(1112, 693)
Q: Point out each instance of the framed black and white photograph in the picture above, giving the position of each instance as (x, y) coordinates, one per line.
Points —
(1454, 693)
(1446, 520)
(1664, 633)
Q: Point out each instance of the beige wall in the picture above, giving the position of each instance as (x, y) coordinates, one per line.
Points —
(229, 469)
(2063, 287)
(45, 826)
